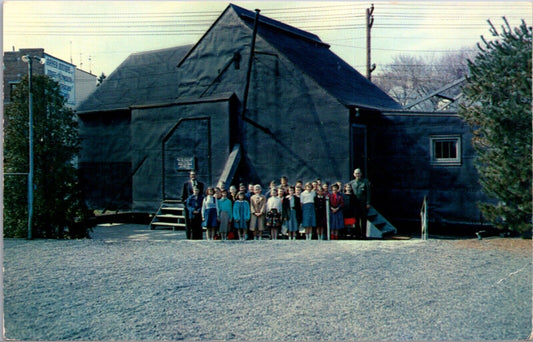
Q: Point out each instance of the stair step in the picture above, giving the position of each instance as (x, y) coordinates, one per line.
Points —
(168, 224)
(170, 216)
(173, 208)
(379, 225)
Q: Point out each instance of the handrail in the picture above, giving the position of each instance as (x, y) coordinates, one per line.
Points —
(424, 219)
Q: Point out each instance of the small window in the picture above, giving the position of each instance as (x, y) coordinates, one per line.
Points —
(12, 86)
(445, 150)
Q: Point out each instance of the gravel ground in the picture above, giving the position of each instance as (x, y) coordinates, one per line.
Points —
(130, 283)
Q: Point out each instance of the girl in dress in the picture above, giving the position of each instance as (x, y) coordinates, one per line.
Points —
(321, 214)
(241, 215)
(348, 211)
(250, 192)
(335, 206)
(325, 187)
(292, 213)
(273, 216)
(282, 192)
(218, 193)
(209, 213)
(225, 213)
(232, 193)
(258, 211)
(307, 199)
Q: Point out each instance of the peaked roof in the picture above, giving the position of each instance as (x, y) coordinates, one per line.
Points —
(450, 92)
(143, 77)
(152, 76)
(314, 58)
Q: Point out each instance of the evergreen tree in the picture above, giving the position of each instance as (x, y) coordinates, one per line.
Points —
(498, 111)
(59, 210)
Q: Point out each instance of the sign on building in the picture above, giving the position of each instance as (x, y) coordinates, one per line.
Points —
(65, 74)
(185, 163)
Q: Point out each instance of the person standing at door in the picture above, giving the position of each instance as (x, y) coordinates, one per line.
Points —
(188, 186)
(361, 190)
(194, 210)
(187, 191)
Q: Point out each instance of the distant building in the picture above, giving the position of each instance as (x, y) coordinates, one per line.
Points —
(85, 84)
(75, 84)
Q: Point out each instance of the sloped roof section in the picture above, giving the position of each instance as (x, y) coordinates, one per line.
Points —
(314, 58)
(144, 77)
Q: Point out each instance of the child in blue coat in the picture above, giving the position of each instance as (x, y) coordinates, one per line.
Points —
(241, 215)
(224, 213)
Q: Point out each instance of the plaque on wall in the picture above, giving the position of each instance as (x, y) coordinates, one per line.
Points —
(185, 163)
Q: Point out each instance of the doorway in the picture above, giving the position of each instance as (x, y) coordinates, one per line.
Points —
(359, 148)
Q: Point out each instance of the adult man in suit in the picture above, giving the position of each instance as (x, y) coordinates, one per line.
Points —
(188, 186)
(188, 190)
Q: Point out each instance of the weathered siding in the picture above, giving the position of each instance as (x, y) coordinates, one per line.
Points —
(402, 174)
(293, 127)
(105, 159)
(306, 131)
(203, 133)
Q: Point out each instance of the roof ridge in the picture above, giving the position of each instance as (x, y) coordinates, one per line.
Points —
(159, 50)
(247, 14)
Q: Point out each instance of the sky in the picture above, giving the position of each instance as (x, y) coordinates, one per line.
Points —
(97, 36)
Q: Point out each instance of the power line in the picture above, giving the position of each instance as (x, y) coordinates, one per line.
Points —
(397, 16)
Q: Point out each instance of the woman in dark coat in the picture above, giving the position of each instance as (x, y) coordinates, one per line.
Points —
(348, 211)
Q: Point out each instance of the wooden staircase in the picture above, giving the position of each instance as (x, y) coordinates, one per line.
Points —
(377, 226)
(171, 214)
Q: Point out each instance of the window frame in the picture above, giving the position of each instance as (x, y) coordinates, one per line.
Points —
(12, 86)
(434, 139)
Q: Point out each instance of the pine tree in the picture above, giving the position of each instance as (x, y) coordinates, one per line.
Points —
(59, 210)
(498, 110)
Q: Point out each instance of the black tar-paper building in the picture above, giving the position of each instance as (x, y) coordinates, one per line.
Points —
(299, 111)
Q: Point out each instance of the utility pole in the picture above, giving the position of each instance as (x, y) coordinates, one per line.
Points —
(30, 142)
(369, 22)
(250, 61)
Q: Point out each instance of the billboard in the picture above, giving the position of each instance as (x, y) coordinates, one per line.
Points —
(65, 74)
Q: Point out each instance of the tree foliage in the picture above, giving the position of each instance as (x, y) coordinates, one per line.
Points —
(410, 77)
(59, 210)
(498, 111)
(100, 79)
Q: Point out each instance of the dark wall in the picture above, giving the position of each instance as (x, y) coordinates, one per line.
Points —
(201, 131)
(292, 126)
(105, 159)
(401, 171)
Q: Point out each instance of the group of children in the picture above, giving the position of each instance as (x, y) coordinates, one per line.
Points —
(284, 210)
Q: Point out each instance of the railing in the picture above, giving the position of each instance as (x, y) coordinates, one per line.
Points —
(424, 219)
